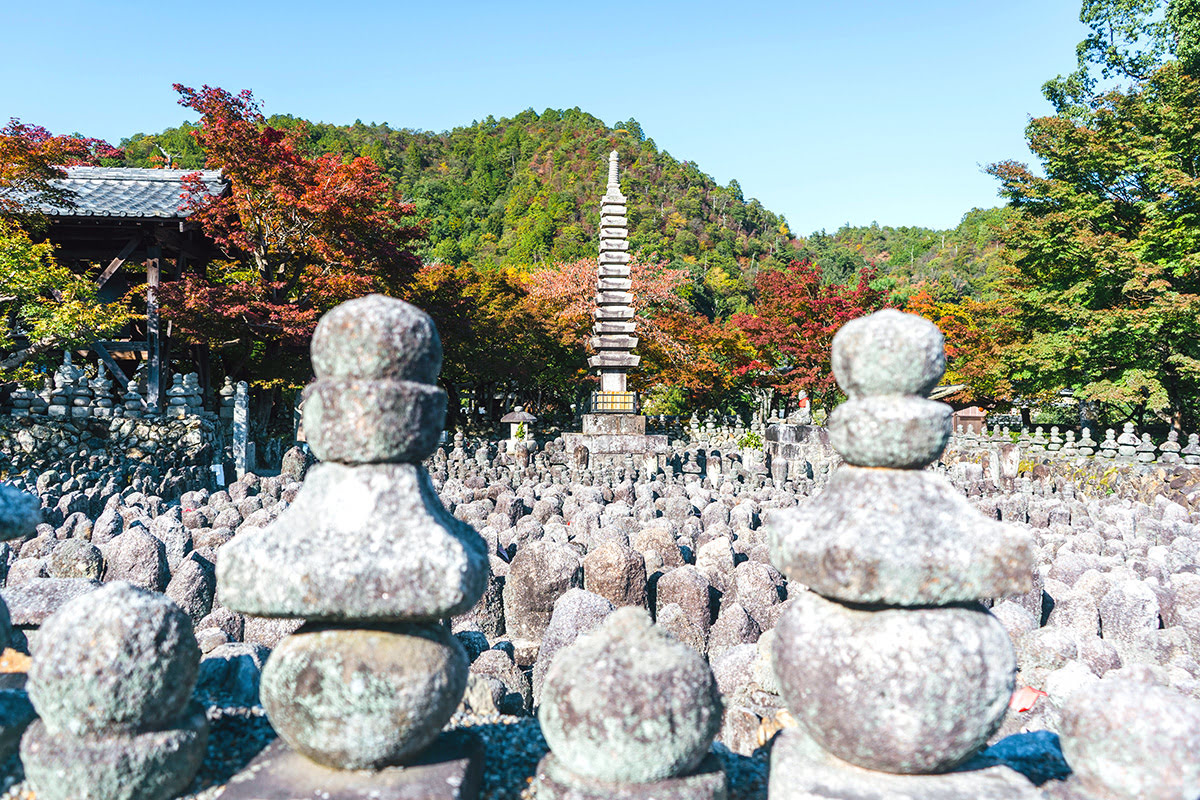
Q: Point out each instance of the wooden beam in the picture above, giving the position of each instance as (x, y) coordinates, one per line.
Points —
(116, 263)
(118, 374)
(124, 347)
(156, 394)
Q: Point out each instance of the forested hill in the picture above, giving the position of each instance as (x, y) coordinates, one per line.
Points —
(525, 190)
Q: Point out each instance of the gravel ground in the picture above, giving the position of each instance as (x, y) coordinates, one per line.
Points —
(513, 747)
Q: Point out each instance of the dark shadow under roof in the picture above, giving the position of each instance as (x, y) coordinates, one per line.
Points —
(130, 192)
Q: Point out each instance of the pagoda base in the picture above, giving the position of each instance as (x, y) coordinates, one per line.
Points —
(610, 437)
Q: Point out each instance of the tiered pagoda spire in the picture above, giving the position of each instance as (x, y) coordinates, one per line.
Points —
(614, 330)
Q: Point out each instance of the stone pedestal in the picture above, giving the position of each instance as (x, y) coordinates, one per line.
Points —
(614, 424)
(801, 770)
(556, 782)
(451, 769)
(610, 437)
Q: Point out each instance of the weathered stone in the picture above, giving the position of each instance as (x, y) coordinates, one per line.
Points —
(733, 627)
(802, 770)
(893, 432)
(673, 619)
(896, 690)
(137, 558)
(450, 769)
(487, 615)
(575, 613)
(373, 421)
(75, 558)
(629, 703)
(192, 588)
(1128, 611)
(230, 673)
(151, 765)
(389, 552)
(484, 695)
(900, 537)
(377, 337)
(616, 573)
(117, 659)
(31, 603)
(888, 353)
(499, 664)
(363, 698)
(1132, 741)
(687, 587)
(266, 631)
(19, 513)
(555, 782)
(540, 573)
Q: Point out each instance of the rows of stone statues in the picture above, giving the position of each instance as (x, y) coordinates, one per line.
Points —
(70, 393)
(1126, 448)
(892, 667)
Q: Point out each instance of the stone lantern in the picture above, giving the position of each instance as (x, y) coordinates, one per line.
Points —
(520, 427)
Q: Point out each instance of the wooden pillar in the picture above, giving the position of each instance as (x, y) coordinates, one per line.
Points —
(156, 390)
(204, 371)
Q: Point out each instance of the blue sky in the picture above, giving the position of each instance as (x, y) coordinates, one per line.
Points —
(830, 112)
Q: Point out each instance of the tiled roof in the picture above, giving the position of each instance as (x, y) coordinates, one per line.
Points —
(129, 191)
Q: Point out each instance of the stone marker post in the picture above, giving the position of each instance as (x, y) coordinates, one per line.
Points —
(368, 555)
(889, 663)
(241, 428)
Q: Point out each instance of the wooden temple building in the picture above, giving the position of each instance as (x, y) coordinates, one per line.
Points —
(121, 217)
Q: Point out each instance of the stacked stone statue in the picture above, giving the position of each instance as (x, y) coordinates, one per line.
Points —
(614, 338)
(892, 668)
(369, 557)
(629, 711)
(111, 679)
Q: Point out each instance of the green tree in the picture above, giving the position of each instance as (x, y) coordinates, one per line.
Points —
(1103, 267)
(44, 307)
(1129, 40)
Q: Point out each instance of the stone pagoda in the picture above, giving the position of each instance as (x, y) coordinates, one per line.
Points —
(612, 428)
(614, 330)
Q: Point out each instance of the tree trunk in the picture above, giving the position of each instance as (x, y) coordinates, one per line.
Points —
(453, 407)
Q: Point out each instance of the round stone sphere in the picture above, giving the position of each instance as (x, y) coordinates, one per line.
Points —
(363, 698)
(901, 690)
(116, 659)
(377, 337)
(629, 702)
(902, 432)
(888, 352)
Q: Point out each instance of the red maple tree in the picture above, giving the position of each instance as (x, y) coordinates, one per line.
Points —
(32, 159)
(301, 234)
(796, 316)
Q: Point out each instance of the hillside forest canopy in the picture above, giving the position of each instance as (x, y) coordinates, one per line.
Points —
(1079, 293)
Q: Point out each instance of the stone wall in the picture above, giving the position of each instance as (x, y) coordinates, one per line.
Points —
(162, 456)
